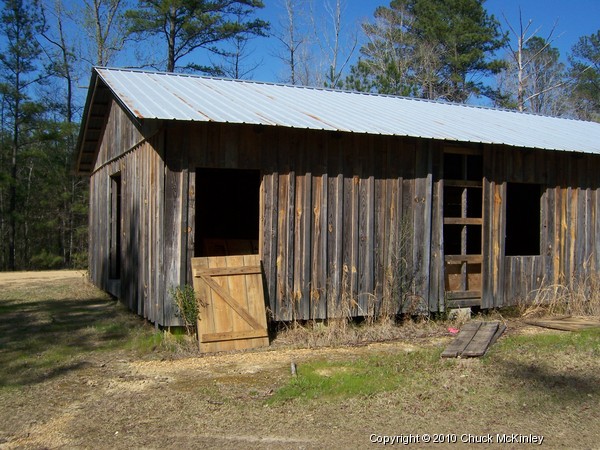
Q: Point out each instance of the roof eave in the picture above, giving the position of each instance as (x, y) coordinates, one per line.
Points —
(83, 130)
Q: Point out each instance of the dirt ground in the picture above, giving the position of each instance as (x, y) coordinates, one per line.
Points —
(121, 399)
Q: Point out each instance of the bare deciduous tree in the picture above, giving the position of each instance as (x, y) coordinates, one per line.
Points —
(534, 73)
(336, 42)
(237, 62)
(295, 53)
(104, 24)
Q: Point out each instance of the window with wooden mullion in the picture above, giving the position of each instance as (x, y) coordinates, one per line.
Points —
(462, 208)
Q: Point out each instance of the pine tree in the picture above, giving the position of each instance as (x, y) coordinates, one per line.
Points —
(585, 73)
(20, 25)
(187, 25)
(435, 49)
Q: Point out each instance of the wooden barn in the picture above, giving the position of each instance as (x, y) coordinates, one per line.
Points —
(352, 202)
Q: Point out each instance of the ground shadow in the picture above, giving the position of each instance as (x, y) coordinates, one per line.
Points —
(45, 338)
(561, 384)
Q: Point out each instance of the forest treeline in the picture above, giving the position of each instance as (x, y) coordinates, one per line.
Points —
(449, 50)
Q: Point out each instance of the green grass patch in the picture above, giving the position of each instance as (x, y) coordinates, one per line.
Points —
(544, 370)
(552, 342)
(361, 377)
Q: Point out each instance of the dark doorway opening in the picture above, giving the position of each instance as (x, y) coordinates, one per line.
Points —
(115, 228)
(227, 212)
(523, 206)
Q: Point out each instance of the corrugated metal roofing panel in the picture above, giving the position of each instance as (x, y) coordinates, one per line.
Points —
(155, 95)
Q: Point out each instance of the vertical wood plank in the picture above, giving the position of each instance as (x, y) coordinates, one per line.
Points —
(596, 215)
(335, 214)
(392, 208)
(365, 230)
(302, 239)
(284, 304)
(269, 247)
(224, 318)
(317, 157)
(487, 265)
(499, 229)
(382, 217)
(436, 262)
(160, 228)
(422, 220)
(350, 226)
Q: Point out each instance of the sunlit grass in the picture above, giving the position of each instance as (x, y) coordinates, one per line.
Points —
(360, 377)
(526, 371)
(552, 343)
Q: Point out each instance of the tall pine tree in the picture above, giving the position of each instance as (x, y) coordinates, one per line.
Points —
(585, 72)
(20, 25)
(435, 49)
(187, 25)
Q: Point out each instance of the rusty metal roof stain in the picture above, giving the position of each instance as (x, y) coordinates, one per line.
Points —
(156, 95)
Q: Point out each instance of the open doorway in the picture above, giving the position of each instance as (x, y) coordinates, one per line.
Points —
(227, 212)
(114, 243)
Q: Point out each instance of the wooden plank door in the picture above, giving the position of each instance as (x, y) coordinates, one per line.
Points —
(463, 223)
(233, 316)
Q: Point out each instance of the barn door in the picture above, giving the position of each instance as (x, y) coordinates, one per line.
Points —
(233, 316)
(463, 211)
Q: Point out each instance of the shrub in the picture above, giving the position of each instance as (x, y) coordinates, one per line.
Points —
(46, 260)
(188, 306)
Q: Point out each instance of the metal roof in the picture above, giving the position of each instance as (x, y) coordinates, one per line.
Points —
(169, 96)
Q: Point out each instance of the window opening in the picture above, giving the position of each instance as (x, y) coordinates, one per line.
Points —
(523, 223)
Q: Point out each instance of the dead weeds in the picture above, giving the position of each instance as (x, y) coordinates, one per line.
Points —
(580, 297)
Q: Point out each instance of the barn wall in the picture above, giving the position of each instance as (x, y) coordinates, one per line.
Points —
(346, 219)
(366, 194)
(120, 135)
(141, 168)
(570, 201)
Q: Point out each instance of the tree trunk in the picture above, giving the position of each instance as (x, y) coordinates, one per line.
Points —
(12, 207)
(171, 42)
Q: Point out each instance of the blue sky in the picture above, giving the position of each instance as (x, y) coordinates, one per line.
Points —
(573, 18)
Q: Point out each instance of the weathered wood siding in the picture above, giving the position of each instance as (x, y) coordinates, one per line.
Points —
(119, 136)
(346, 219)
(570, 231)
(124, 151)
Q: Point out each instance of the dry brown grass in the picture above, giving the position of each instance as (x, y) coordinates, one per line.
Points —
(579, 298)
(345, 332)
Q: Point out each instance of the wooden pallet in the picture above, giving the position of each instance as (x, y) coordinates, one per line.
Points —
(474, 339)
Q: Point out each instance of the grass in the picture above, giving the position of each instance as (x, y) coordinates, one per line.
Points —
(579, 297)
(359, 377)
(334, 333)
(548, 344)
(67, 343)
(54, 327)
(543, 370)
